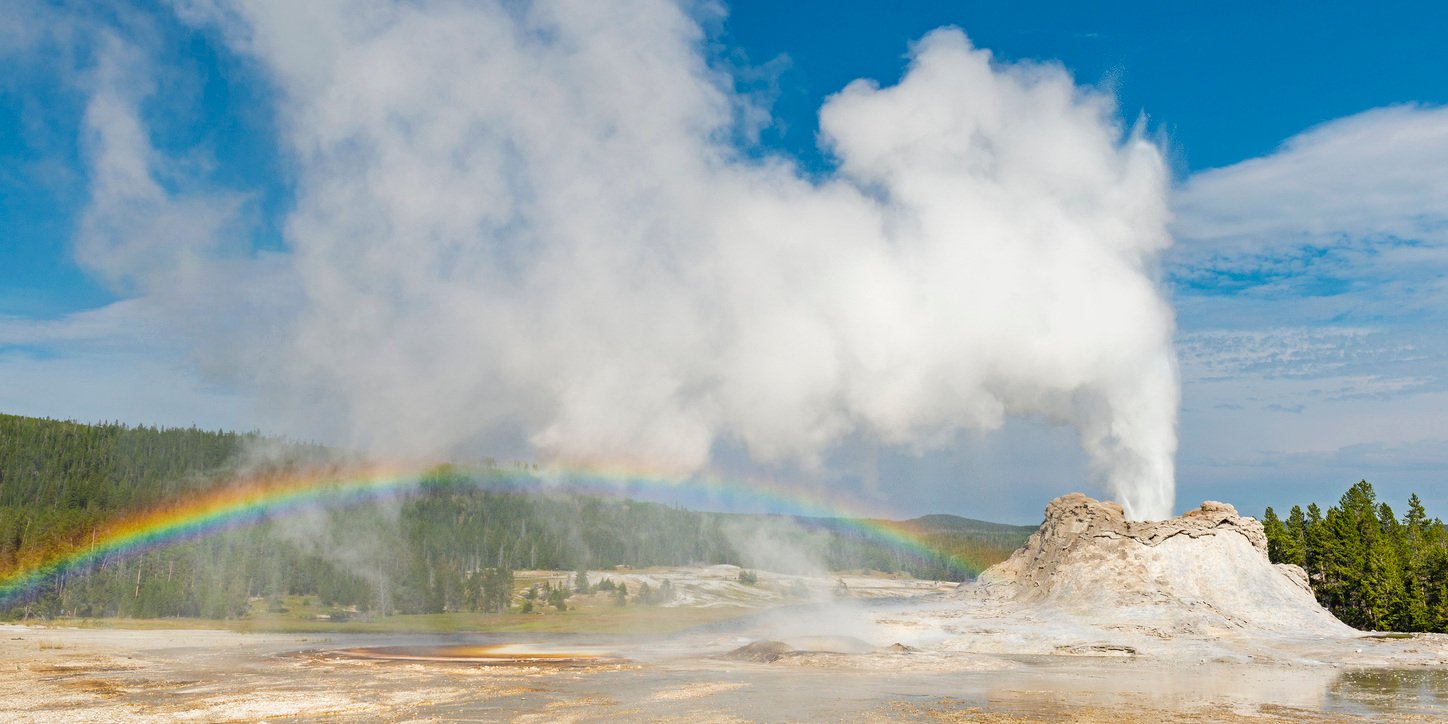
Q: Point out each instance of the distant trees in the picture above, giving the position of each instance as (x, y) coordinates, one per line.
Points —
(495, 589)
(451, 544)
(650, 596)
(1373, 570)
(558, 598)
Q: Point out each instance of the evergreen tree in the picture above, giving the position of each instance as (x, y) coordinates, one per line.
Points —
(1276, 536)
(1414, 552)
(1294, 546)
(1315, 533)
(1370, 568)
(497, 589)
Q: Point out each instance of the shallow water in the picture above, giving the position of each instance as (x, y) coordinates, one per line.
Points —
(1399, 692)
(683, 675)
(1036, 686)
(163, 675)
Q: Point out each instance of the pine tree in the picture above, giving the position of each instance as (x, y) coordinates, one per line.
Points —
(1368, 567)
(1380, 586)
(1294, 547)
(1276, 536)
(1416, 585)
(1315, 534)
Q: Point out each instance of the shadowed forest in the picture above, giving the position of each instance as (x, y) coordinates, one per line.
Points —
(448, 545)
(452, 542)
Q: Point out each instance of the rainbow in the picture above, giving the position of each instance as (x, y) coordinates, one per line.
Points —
(248, 500)
(862, 517)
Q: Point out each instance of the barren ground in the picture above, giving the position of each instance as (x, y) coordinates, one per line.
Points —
(962, 656)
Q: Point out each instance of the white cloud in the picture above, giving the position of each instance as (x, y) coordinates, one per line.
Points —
(122, 362)
(135, 233)
(528, 222)
(1376, 174)
(113, 324)
(1288, 352)
(1311, 289)
(521, 226)
(1349, 220)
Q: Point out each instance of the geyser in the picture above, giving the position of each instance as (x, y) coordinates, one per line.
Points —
(1204, 572)
(536, 224)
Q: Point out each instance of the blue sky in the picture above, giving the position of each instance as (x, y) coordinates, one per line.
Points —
(1226, 81)
(1306, 143)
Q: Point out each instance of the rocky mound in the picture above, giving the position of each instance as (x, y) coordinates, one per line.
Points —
(1205, 572)
(760, 651)
(767, 651)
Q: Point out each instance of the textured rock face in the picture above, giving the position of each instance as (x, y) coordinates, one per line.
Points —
(1202, 572)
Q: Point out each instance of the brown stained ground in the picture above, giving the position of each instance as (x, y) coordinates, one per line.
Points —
(952, 711)
(1203, 634)
(60, 675)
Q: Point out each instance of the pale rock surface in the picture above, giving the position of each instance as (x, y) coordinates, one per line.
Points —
(1205, 573)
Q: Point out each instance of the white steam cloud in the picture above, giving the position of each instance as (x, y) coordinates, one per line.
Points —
(534, 222)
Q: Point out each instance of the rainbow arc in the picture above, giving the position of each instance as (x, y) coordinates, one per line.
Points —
(248, 500)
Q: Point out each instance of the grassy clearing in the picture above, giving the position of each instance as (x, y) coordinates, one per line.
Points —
(633, 620)
(594, 613)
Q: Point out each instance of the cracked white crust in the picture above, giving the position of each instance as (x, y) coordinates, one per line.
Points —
(1205, 570)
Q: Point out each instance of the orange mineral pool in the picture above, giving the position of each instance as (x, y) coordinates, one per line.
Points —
(487, 654)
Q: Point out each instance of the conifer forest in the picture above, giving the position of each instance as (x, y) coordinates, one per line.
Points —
(450, 544)
(1373, 569)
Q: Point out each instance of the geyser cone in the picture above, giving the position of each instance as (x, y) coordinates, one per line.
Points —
(1202, 572)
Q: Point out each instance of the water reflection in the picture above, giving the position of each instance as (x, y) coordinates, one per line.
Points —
(1390, 691)
(1032, 686)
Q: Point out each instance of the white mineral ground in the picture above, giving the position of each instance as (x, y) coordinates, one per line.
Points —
(1096, 618)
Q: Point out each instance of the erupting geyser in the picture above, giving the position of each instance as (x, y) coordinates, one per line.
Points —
(537, 226)
(1204, 572)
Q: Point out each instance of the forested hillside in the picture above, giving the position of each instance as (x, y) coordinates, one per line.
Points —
(432, 550)
(1372, 569)
(73, 467)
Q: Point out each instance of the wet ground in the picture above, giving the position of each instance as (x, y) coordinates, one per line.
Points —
(481, 654)
(95, 675)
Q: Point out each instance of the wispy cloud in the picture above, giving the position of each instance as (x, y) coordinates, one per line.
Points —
(1349, 218)
(1310, 285)
(149, 225)
(126, 361)
(1300, 352)
(1376, 175)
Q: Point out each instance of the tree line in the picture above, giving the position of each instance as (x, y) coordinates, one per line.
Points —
(1371, 568)
(451, 544)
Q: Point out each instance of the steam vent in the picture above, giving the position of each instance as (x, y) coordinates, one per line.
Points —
(1203, 573)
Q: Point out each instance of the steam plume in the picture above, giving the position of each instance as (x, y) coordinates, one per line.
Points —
(534, 223)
